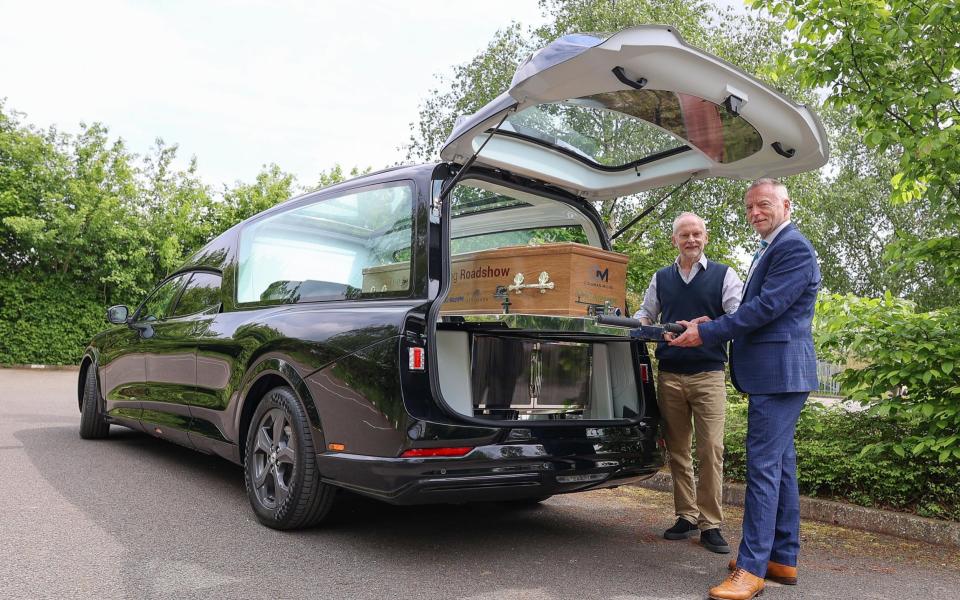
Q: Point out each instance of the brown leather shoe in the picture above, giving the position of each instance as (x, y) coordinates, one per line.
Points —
(775, 572)
(740, 585)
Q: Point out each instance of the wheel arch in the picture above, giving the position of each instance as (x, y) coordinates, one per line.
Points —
(263, 377)
(89, 360)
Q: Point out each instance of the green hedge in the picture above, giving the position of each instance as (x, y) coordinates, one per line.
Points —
(46, 320)
(830, 465)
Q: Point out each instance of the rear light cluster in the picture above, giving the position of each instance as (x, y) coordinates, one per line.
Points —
(417, 359)
(645, 373)
(430, 452)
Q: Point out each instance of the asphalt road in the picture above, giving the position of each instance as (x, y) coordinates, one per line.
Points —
(134, 517)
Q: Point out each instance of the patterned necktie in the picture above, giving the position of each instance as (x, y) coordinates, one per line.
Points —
(756, 255)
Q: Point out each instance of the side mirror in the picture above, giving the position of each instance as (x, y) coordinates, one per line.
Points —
(118, 314)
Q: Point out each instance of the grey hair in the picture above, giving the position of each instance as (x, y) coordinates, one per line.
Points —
(777, 185)
(684, 215)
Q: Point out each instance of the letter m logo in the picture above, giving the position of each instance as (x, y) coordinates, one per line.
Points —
(603, 275)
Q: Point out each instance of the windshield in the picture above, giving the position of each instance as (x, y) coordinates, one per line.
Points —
(620, 128)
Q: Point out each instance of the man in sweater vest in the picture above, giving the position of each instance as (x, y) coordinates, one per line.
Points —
(690, 381)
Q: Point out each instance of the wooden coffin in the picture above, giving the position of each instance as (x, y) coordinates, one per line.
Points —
(576, 277)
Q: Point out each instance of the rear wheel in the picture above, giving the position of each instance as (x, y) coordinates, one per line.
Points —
(93, 425)
(280, 468)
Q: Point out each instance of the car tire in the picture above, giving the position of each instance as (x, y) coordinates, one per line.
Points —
(93, 424)
(280, 465)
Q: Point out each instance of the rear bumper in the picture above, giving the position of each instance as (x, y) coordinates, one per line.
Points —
(496, 472)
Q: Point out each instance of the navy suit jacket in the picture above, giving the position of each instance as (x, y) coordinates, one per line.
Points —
(772, 340)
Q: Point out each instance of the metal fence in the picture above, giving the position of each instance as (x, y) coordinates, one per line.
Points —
(828, 385)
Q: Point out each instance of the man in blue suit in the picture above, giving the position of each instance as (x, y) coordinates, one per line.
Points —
(772, 359)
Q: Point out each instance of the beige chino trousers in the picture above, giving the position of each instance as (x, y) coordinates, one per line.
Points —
(695, 403)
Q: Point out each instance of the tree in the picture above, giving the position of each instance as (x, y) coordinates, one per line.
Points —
(79, 223)
(907, 368)
(851, 221)
(749, 42)
(270, 187)
(335, 175)
(894, 66)
(32, 168)
(470, 87)
(178, 208)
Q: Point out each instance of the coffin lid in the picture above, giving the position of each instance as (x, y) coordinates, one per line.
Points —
(605, 115)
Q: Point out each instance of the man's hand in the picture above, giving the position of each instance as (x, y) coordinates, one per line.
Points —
(691, 337)
(703, 319)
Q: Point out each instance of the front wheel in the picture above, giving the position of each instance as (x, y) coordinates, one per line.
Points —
(280, 467)
(93, 425)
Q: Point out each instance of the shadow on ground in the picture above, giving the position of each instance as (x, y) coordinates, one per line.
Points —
(186, 524)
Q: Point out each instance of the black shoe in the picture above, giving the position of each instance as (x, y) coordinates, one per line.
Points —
(713, 541)
(681, 530)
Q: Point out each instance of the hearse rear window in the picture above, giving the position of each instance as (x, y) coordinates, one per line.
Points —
(520, 237)
(485, 215)
(616, 129)
(338, 248)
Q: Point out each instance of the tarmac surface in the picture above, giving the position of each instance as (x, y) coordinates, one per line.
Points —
(135, 517)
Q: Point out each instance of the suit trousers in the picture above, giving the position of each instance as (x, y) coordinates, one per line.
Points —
(694, 403)
(771, 509)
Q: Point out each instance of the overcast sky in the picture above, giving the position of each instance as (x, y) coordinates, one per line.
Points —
(243, 83)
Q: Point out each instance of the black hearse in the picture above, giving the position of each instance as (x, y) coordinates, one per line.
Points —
(276, 348)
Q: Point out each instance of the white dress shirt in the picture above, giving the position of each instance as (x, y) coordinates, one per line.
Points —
(732, 290)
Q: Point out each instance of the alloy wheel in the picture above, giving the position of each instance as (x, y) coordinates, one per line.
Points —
(274, 458)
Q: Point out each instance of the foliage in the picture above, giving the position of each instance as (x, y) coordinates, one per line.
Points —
(178, 209)
(895, 64)
(46, 318)
(851, 221)
(904, 367)
(748, 41)
(244, 200)
(846, 211)
(472, 85)
(891, 66)
(87, 189)
(830, 464)
(84, 223)
(335, 175)
(30, 169)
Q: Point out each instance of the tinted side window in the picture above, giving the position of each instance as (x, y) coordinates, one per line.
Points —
(157, 305)
(356, 245)
(202, 295)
